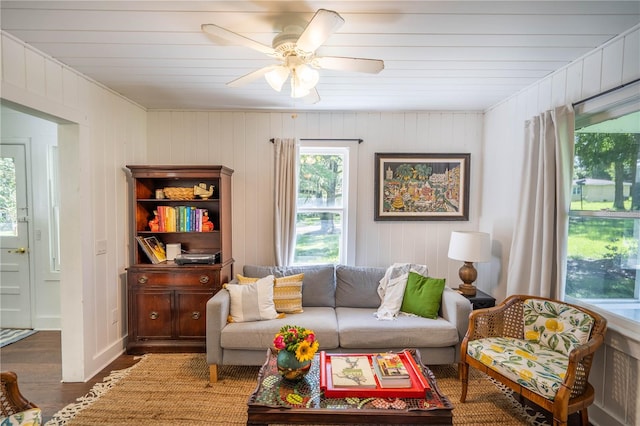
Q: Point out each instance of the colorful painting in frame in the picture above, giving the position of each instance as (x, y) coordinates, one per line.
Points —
(421, 186)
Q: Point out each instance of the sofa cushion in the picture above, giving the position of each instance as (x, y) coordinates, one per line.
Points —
(555, 325)
(318, 286)
(252, 302)
(259, 335)
(357, 286)
(422, 295)
(287, 292)
(531, 365)
(360, 329)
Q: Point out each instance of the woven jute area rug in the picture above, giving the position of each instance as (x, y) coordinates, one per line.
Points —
(171, 389)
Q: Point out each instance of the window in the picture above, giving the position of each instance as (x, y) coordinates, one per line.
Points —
(325, 223)
(603, 261)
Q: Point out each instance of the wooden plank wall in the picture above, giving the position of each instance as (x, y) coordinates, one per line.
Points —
(240, 140)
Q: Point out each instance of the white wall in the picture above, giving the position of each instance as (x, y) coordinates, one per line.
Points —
(240, 140)
(617, 367)
(41, 135)
(99, 133)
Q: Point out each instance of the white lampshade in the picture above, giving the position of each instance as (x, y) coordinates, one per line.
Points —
(276, 77)
(303, 79)
(469, 246)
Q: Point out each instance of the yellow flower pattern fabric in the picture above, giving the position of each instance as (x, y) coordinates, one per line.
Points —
(529, 364)
(555, 325)
(31, 417)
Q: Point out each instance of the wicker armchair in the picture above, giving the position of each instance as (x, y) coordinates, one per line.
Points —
(12, 402)
(497, 339)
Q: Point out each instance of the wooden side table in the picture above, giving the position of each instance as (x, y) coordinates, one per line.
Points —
(481, 300)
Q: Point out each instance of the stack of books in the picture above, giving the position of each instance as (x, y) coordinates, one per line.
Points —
(391, 371)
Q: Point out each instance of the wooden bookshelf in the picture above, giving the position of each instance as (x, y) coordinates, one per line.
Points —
(167, 301)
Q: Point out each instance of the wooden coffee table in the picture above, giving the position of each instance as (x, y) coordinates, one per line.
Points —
(276, 400)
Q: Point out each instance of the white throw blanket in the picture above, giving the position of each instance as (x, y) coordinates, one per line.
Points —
(392, 286)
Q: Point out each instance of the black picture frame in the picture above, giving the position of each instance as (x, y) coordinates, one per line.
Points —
(421, 186)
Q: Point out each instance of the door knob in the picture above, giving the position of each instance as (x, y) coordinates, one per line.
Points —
(21, 250)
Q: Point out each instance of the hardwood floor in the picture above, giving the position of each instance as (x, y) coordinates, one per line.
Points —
(37, 362)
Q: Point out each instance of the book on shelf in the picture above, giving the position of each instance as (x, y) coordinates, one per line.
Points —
(153, 248)
(352, 371)
(146, 249)
(391, 371)
(180, 218)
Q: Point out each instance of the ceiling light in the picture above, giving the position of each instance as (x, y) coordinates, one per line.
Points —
(303, 79)
(277, 77)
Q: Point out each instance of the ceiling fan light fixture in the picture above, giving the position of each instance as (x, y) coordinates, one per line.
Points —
(308, 76)
(277, 77)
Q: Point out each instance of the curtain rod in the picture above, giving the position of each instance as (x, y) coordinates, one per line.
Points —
(272, 140)
(606, 92)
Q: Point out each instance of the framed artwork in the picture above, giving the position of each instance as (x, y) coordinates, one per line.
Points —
(421, 186)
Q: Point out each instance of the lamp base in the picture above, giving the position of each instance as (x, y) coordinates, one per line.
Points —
(467, 290)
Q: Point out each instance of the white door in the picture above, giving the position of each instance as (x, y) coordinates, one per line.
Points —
(15, 286)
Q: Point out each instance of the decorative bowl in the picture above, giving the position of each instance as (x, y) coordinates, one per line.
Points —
(175, 193)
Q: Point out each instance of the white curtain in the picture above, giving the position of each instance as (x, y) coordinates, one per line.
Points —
(286, 158)
(538, 250)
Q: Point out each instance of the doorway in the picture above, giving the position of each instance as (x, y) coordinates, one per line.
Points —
(29, 260)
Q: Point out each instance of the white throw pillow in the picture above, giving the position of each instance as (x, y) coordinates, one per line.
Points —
(252, 302)
(392, 286)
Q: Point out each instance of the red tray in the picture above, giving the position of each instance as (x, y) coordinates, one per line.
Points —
(419, 384)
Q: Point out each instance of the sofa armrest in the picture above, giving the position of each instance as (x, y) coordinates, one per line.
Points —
(217, 314)
(456, 308)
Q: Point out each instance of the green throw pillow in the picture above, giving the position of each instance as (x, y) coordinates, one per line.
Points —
(422, 295)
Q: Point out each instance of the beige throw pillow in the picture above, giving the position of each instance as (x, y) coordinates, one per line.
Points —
(287, 292)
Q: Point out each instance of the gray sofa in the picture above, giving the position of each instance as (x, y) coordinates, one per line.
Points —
(339, 302)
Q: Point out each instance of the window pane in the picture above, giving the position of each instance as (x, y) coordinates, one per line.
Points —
(320, 183)
(318, 237)
(604, 221)
(603, 258)
(8, 200)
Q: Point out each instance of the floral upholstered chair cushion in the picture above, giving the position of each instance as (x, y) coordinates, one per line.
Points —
(555, 325)
(31, 417)
(529, 364)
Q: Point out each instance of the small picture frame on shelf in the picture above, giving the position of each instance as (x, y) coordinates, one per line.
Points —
(153, 248)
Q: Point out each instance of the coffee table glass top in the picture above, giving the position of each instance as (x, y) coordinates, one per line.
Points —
(274, 391)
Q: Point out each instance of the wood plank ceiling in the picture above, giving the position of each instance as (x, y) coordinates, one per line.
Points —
(439, 55)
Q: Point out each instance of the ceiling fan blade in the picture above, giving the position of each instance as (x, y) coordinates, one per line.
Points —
(252, 76)
(372, 66)
(312, 98)
(237, 39)
(322, 25)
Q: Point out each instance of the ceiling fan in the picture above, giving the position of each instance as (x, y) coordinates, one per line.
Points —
(294, 49)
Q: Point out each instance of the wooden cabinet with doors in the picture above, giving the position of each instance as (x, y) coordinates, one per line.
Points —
(167, 301)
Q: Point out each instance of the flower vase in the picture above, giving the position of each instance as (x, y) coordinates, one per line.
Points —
(290, 368)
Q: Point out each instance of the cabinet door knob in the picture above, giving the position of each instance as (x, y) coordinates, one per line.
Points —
(143, 279)
(195, 315)
(204, 279)
(154, 315)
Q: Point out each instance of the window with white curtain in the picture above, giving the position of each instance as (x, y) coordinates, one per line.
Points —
(326, 203)
(603, 254)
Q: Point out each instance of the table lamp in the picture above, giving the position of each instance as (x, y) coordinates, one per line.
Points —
(469, 247)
